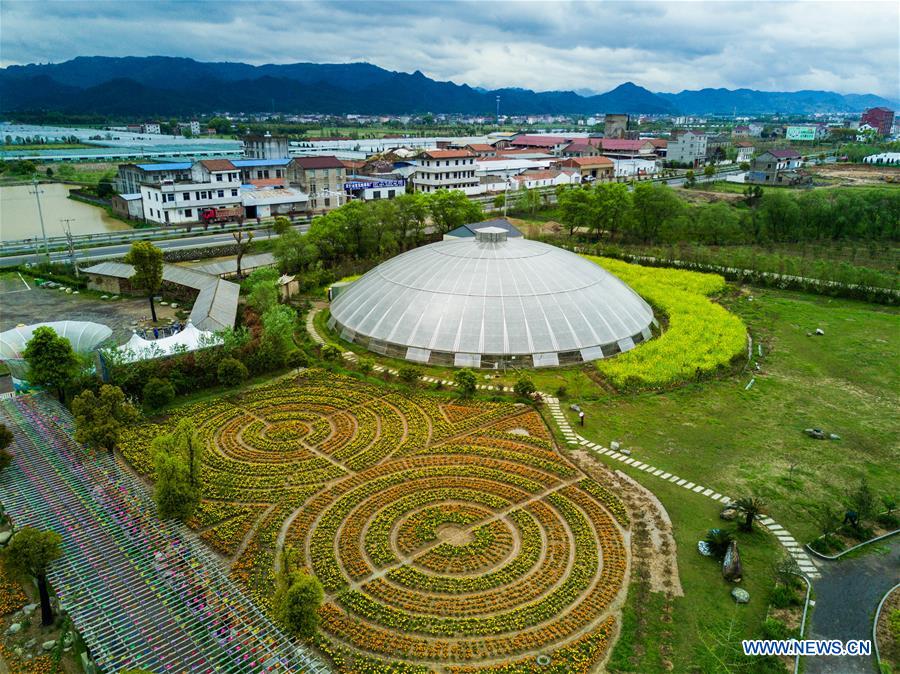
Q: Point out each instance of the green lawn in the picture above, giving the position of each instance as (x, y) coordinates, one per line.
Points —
(699, 618)
(739, 441)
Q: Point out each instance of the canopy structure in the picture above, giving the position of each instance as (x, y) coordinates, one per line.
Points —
(84, 337)
(189, 339)
(491, 301)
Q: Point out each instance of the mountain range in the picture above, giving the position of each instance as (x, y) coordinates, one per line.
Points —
(158, 85)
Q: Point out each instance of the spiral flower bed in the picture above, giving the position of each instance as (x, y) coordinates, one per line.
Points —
(448, 535)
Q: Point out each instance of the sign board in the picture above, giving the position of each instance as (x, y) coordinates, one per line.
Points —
(370, 184)
(801, 133)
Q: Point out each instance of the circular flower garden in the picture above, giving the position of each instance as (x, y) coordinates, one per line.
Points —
(448, 535)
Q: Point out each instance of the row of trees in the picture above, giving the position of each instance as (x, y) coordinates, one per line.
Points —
(374, 230)
(653, 213)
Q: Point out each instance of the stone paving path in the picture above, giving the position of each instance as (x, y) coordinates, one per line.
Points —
(806, 564)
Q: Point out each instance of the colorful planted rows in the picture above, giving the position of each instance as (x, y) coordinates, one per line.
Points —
(446, 534)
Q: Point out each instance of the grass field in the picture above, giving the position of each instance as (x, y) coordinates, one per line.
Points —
(741, 441)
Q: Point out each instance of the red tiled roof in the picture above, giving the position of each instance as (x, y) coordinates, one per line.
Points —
(784, 154)
(267, 182)
(353, 164)
(743, 143)
(327, 162)
(448, 154)
(218, 165)
(658, 142)
(481, 147)
(538, 141)
(622, 144)
(537, 175)
(587, 161)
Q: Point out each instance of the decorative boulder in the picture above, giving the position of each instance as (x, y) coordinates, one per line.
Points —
(28, 609)
(15, 628)
(614, 446)
(732, 569)
(49, 645)
(5, 536)
(740, 595)
(728, 513)
(704, 549)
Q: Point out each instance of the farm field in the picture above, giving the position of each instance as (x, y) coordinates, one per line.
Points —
(449, 535)
(750, 441)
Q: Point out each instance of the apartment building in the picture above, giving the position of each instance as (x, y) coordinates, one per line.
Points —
(446, 170)
(687, 148)
(211, 183)
(266, 146)
(322, 178)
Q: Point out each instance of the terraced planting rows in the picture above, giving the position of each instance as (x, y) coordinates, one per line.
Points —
(449, 535)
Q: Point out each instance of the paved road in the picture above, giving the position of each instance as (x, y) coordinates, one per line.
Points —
(846, 599)
(103, 252)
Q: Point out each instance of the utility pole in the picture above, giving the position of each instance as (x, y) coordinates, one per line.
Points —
(37, 191)
(498, 111)
(71, 241)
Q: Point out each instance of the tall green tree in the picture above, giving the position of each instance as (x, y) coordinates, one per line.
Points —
(147, 261)
(611, 206)
(52, 362)
(174, 495)
(190, 447)
(654, 206)
(99, 419)
(262, 289)
(451, 209)
(32, 552)
(465, 382)
(297, 604)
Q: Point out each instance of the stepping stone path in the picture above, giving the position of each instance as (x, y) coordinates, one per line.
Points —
(807, 567)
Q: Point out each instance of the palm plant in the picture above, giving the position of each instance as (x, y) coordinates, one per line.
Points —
(750, 507)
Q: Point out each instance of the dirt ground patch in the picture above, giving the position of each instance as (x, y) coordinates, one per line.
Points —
(702, 196)
(888, 642)
(858, 174)
(37, 305)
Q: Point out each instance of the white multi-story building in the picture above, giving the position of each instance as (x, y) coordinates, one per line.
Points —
(212, 183)
(150, 127)
(266, 146)
(687, 147)
(447, 170)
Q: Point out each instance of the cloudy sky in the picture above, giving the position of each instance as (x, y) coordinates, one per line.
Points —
(849, 47)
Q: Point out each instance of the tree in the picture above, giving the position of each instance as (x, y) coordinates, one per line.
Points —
(524, 387)
(689, 179)
(744, 166)
(465, 382)
(262, 289)
(575, 207)
(298, 604)
(862, 500)
(32, 552)
(6, 438)
(231, 372)
(654, 206)
(158, 393)
(709, 171)
(99, 418)
(189, 446)
(749, 507)
(278, 332)
(147, 261)
(174, 495)
(282, 224)
(242, 245)
(451, 209)
(51, 361)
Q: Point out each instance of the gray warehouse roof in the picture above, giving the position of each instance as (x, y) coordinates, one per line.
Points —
(216, 305)
(474, 302)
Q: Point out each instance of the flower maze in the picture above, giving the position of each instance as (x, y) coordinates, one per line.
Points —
(449, 536)
(140, 591)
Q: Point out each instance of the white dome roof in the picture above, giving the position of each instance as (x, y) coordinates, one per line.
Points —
(477, 302)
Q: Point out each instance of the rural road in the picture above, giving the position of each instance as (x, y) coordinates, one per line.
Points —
(847, 596)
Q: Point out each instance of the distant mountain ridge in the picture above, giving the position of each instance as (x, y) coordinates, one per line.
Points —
(161, 85)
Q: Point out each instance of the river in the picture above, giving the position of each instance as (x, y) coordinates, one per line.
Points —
(19, 213)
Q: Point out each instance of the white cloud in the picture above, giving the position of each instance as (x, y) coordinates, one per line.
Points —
(849, 47)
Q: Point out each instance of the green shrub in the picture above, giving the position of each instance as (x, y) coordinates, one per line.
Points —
(231, 372)
(783, 596)
(774, 629)
(158, 393)
(410, 374)
(888, 520)
(331, 353)
(524, 387)
(297, 358)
